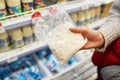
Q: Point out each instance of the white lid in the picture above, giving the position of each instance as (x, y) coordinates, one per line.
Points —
(13, 3)
(2, 4)
(27, 1)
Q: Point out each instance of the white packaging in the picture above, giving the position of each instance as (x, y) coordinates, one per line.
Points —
(55, 31)
(14, 6)
(17, 38)
(74, 17)
(4, 41)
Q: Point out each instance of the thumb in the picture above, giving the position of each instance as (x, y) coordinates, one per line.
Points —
(81, 30)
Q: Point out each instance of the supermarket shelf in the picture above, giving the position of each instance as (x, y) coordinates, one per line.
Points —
(12, 55)
(69, 7)
(28, 49)
(89, 72)
(82, 66)
(96, 24)
(71, 73)
(86, 74)
(17, 22)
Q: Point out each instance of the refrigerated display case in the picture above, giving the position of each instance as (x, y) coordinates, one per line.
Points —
(81, 69)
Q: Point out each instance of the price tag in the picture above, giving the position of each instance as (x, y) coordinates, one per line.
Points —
(12, 59)
(52, 10)
(2, 30)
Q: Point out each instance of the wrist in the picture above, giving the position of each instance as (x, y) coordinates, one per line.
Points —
(101, 40)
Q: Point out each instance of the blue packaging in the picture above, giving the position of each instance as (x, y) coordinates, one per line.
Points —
(44, 52)
(71, 61)
(4, 70)
(51, 63)
(14, 76)
(24, 69)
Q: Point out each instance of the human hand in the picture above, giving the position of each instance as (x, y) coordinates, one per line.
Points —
(94, 37)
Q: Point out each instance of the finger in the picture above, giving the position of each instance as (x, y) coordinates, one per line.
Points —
(75, 30)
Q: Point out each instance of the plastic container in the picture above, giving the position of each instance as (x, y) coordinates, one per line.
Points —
(17, 38)
(74, 17)
(55, 31)
(39, 4)
(34, 38)
(27, 34)
(81, 18)
(97, 11)
(27, 5)
(106, 9)
(87, 14)
(4, 41)
(14, 6)
(93, 14)
(3, 11)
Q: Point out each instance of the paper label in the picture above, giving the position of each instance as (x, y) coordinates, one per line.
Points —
(3, 43)
(39, 4)
(3, 12)
(18, 43)
(28, 40)
(14, 10)
(27, 6)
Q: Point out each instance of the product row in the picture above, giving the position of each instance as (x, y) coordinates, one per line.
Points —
(16, 38)
(91, 14)
(27, 68)
(12, 7)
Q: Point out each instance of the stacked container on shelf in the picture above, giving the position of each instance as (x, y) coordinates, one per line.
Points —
(16, 38)
(91, 12)
(15, 7)
(3, 10)
(23, 69)
(105, 9)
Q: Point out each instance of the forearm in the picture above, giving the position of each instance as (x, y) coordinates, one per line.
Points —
(111, 28)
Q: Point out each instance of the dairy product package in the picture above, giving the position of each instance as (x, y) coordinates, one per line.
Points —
(53, 28)
(74, 17)
(14, 6)
(3, 11)
(23, 69)
(81, 18)
(27, 5)
(39, 4)
(27, 34)
(17, 38)
(4, 42)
